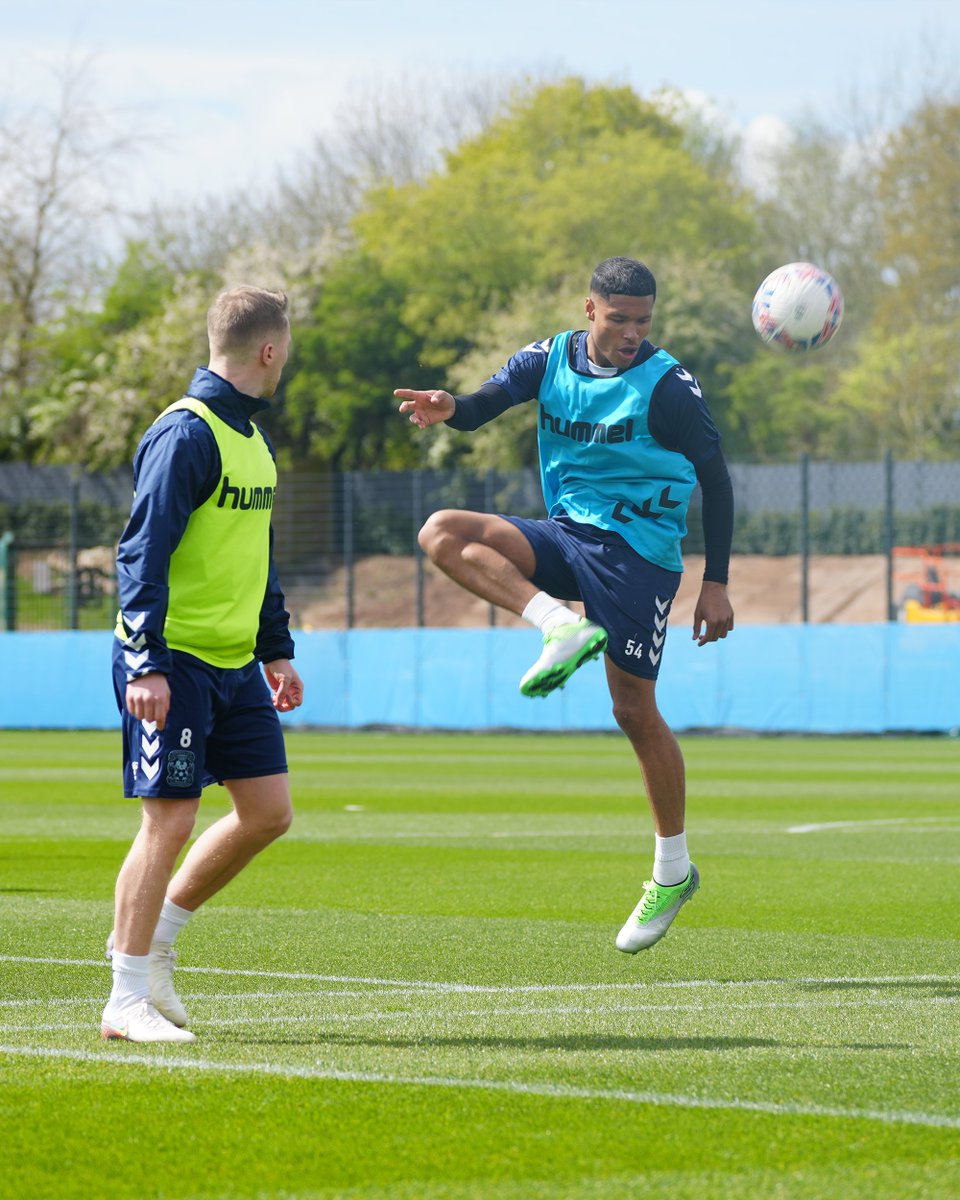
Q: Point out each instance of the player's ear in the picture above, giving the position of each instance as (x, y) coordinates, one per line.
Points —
(590, 308)
(267, 353)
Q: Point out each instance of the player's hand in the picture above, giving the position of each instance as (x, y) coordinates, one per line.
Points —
(426, 408)
(713, 616)
(285, 684)
(148, 698)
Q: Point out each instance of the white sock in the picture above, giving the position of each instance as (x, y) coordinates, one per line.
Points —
(172, 920)
(129, 979)
(671, 860)
(547, 613)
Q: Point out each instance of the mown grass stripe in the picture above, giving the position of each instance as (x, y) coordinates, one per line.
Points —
(515, 1087)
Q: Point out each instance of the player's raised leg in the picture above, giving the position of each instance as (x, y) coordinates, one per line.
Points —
(675, 878)
(491, 557)
(484, 553)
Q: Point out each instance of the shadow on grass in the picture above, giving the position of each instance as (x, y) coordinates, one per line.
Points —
(29, 891)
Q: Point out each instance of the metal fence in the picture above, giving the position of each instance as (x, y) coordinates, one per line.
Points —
(814, 541)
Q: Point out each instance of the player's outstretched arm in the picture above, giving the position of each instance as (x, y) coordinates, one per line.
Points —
(426, 408)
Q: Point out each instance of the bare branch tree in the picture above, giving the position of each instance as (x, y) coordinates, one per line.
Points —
(387, 135)
(56, 168)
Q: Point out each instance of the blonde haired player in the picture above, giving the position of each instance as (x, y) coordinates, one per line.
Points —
(201, 611)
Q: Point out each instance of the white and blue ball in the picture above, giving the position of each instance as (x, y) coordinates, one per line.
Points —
(798, 306)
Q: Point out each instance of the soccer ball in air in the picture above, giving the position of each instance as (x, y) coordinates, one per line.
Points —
(798, 306)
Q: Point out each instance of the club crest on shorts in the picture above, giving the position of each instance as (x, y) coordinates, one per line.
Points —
(181, 768)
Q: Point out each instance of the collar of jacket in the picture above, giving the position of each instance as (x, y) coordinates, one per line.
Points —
(225, 400)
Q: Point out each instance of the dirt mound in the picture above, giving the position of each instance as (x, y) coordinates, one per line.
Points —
(764, 591)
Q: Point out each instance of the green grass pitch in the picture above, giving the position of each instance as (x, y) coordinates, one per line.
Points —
(416, 993)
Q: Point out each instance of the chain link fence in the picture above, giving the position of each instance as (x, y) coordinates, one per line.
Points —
(814, 541)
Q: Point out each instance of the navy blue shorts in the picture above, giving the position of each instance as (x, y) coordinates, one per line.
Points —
(221, 725)
(629, 596)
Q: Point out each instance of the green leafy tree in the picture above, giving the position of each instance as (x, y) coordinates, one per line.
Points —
(570, 175)
(349, 354)
(776, 407)
(919, 191)
(905, 385)
(907, 364)
(99, 410)
(496, 249)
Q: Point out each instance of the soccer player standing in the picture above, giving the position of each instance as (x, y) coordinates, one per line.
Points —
(200, 610)
(624, 436)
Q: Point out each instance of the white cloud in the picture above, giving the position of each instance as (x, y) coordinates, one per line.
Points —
(762, 138)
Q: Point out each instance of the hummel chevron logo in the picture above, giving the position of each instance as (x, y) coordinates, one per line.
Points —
(660, 624)
(136, 643)
(150, 748)
(662, 605)
(149, 769)
(134, 623)
(658, 639)
(655, 658)
(150, 727)
(618, 512)
(688, 378)
(134, 661)
(665, 502)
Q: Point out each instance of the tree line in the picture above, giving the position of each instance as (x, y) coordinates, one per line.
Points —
(423, 248)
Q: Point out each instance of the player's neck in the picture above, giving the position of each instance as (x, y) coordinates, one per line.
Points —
(246, 379)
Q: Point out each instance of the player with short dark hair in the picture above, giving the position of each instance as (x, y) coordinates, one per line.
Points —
(624, 436)
(200, 611)
(622, 277)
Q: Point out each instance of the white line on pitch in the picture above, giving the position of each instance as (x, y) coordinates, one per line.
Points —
(242, 973)
(51, 1000)
(453, 1015)
(427, 985)
(818, 828)
(306, 994)
(549, 1090)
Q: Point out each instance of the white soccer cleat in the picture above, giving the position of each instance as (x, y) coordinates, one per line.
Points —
(140, 1022)
(654, 915)
(565, 649)
(163, 995)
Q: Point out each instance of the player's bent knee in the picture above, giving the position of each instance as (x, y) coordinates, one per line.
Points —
(444, 536)
(282, 822)
(266, 825)
(428, 535)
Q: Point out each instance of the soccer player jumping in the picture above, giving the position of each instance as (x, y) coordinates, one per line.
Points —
(624, 436)
(200, 609)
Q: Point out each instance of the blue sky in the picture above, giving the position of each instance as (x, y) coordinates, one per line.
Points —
(231, 89)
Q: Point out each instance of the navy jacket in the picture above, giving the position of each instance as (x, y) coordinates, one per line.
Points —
(176, 469)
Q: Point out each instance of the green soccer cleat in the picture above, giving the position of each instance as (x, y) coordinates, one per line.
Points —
(565, 648)
(654, 915)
